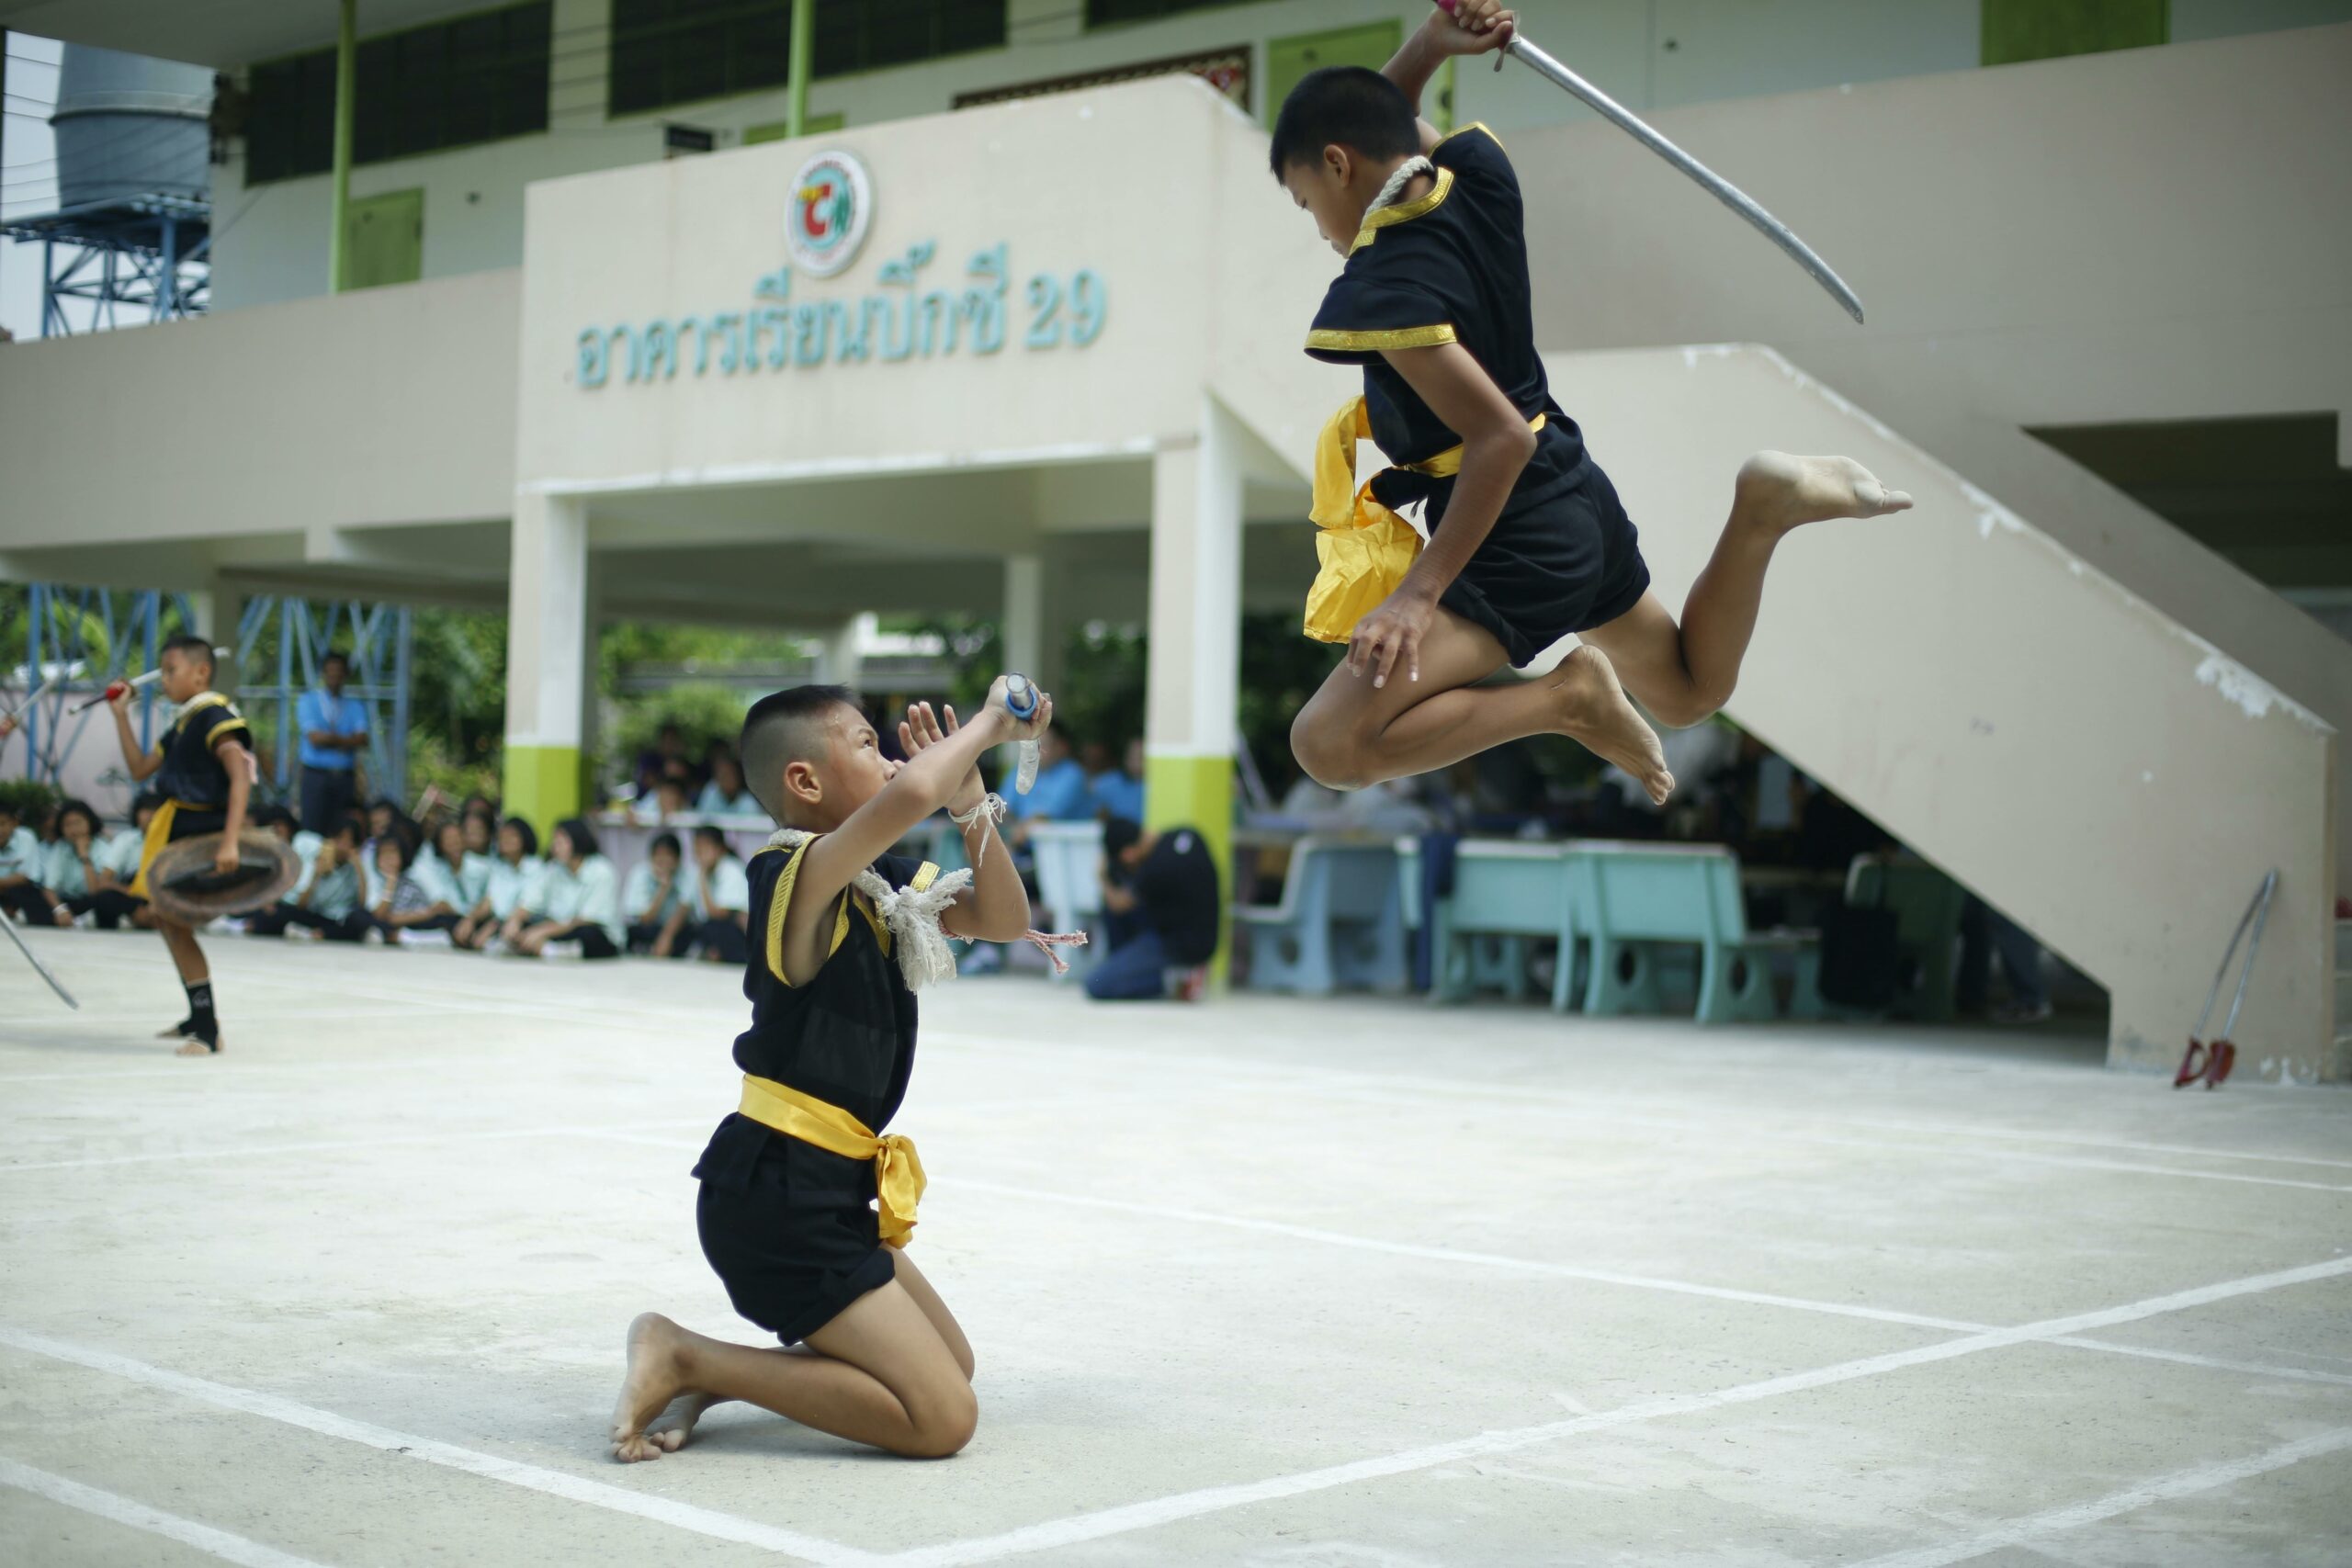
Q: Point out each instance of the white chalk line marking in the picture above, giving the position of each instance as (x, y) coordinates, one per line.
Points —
(514, 1473)
(1582, 1105)
(1610, 1107)
(339, 1145)
(1569, 1272)
(2162, 1489)
(121, 1510)
(1130, 1517)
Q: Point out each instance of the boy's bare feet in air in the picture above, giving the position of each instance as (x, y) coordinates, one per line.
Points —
(1784, 492)
(653, 1382)
(1595, 712)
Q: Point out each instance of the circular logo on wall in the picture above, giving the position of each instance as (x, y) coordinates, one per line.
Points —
(833, 201)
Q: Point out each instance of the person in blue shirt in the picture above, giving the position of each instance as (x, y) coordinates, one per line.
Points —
(334, 731)
(726, 794)
(653, 900)
(580, 900)
(1061, 793)
(1118, 792)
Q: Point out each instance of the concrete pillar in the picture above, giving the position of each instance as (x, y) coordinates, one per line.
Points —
(844, 655)
(547, 667)
(218, 609)
(1193, 680)
(1024, 614)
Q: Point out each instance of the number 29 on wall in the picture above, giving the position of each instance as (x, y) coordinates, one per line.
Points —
(1089, 302)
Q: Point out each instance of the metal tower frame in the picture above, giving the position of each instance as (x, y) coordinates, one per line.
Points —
(128, 627)
(380, 638)
(58, 643)
(150, 252)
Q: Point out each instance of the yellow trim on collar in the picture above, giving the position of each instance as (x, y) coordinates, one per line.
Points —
(1404, 210)
(1397, 337)
(1466, 130)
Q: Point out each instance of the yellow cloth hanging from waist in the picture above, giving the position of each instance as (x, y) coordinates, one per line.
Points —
(897, 1171)
(1364, 548)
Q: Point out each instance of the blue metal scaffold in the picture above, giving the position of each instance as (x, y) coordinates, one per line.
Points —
(147, 254)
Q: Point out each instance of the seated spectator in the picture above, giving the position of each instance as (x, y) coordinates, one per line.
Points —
(721, 894)
(1160, 890)
(453, 877)
(72, 867)
(727, 795)
(328, 900)
(580, 900)
(666, 759)
(121, 855)
(1119, 792)
(398, 902)
(480, 806)
(654, 902)
(22, 861)
(667, 804)
(511, 888)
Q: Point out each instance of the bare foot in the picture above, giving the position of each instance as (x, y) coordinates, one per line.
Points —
(1594, 712)
(677, 1423)
(195, 1047)
(648, 1387)
(1784, 492)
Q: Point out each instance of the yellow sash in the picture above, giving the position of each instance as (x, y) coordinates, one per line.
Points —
(898, 1172)
(1364, 548)
(159, 833)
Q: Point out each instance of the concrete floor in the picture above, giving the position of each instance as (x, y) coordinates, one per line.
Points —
(1261, 1282)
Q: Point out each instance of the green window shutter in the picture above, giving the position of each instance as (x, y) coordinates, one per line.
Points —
(1288, 59)
(384, 240)
(2044, 29)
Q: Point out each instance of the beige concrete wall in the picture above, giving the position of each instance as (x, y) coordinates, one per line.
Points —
(2111, 781)
(2152, 234)
(396, 405)
(693, 236)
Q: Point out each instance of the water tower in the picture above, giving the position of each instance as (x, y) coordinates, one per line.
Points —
(133, 222)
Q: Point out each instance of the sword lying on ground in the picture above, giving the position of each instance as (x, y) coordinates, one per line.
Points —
(39, 967)
(1730, 195)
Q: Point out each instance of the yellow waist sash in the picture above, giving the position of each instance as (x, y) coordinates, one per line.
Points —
(898, 1172)
(1364, 548)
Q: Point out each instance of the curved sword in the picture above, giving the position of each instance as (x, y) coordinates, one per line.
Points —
(39, 967)
(1730, 195)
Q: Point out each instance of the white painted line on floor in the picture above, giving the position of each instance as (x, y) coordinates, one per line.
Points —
(514, 1473)
(154, 1521)
(2162, 1489)
(1103, 1523)
(1603, 1105)
(330, 1145)
(1504, 1261)
(1567, 1271)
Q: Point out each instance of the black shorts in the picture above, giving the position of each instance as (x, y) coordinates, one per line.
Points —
(788, 1228)
(186, 823)
(1564, 559)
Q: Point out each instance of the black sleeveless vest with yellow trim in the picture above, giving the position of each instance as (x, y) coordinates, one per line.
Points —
(192, 772)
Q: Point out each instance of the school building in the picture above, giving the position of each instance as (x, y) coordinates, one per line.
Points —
(1015, 330)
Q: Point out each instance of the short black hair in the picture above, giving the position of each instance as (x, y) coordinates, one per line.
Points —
(583, 837)
(146, 800)
(529, 834)
(666, 841)
(398, 842)
(785, 728)
(353, 826)
(189, 646)
(1346, 104)
(335, 656)
(1119, 835)
(71, 806)
(709, 833)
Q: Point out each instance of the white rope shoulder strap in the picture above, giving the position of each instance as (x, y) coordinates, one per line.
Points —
(917, 941)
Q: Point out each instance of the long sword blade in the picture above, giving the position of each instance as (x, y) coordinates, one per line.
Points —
(39, 967)
(1730, 195)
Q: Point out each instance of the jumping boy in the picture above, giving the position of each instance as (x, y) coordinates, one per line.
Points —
(841, 930)
(1527, 540)
(205, 774)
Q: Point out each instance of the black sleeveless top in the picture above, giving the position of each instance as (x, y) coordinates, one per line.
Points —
(1449, 266)
(847, 1036)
